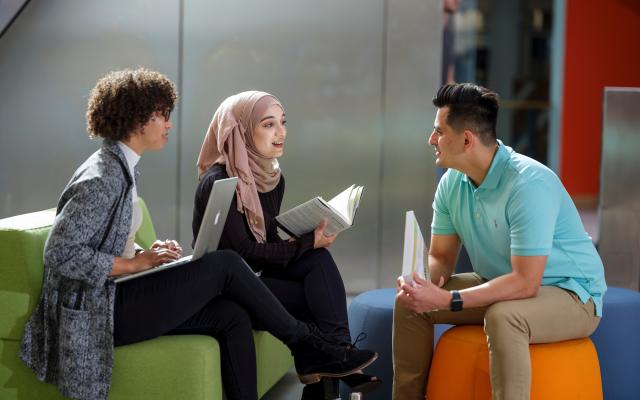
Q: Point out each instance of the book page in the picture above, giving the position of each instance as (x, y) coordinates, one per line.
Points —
(354, 202)
(307, 216)
(340, 203)
(414, 250)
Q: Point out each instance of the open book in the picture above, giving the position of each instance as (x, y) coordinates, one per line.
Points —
(339, 212)
(414, 250)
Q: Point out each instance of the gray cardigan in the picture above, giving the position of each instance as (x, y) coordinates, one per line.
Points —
(68, 340)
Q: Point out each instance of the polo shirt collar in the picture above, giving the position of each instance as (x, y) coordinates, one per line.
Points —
(496, 169)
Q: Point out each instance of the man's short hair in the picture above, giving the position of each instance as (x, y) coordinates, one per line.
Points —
(123, 101)
(471, 107)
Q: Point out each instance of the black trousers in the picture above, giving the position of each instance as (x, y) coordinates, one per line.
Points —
(217, 295)
(312, 290)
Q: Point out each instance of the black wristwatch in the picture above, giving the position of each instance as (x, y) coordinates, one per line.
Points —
(456, 301)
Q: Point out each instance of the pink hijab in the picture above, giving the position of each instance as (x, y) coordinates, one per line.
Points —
(229, 141)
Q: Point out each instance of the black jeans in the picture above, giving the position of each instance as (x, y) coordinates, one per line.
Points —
(311, 289)
(217, 295)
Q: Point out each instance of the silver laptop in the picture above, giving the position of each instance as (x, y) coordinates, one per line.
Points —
(215, 215)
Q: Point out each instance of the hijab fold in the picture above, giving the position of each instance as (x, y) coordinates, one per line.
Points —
(229, 141)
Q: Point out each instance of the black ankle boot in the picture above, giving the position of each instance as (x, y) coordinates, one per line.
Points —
(360, 382)
(315, 357)
(315, 391)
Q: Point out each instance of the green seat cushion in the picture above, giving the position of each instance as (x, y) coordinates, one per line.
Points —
(146, 234)
(22, 240)
(273, 360)
(168, 367)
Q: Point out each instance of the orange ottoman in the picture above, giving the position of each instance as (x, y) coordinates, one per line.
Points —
(564, 370)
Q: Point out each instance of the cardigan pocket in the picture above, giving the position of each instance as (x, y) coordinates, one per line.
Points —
(73, 352)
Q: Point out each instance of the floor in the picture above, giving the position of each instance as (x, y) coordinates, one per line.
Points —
(289, 388)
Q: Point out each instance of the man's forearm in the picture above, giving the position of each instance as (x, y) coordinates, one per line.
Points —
(439, 268)
(507, 287)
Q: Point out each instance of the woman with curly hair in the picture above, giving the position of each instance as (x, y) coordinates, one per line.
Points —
(82, 313)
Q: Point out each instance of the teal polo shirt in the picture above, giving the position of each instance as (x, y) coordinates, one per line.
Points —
(521, 208)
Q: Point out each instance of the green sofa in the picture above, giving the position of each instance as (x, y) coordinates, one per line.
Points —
(168, 367)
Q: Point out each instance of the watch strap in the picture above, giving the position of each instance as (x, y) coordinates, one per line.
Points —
(456, 301)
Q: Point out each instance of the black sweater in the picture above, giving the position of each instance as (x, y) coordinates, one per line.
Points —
(237, 236)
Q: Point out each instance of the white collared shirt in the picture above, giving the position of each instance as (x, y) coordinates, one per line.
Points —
(132, 160)
(136, 212)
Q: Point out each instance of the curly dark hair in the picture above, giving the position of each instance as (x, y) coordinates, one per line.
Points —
(470, 107)
(123, 101)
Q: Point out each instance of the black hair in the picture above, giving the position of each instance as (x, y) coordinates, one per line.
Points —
(471, 107)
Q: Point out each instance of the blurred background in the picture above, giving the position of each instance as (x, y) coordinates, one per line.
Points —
(356, 78)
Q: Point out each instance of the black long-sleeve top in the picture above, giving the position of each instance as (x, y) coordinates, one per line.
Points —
(275, 253)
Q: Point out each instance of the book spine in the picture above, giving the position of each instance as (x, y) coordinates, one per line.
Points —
(285, 229)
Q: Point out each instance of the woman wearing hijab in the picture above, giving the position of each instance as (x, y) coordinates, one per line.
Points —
(82, 314)
(244, 140)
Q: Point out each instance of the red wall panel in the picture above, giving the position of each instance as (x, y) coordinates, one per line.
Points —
(602, 48)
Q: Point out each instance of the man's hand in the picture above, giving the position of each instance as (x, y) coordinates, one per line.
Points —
(399, 282)
(423, 296)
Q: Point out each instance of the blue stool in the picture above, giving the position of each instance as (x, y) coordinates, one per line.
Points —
(372, 313)
(617, 341)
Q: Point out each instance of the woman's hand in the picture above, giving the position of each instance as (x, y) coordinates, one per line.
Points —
(153, 257)
(320, 239)
(167, 244)
(144, 259)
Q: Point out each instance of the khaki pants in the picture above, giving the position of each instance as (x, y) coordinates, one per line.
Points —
(553, 315)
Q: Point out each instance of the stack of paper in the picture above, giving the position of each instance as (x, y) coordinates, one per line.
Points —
(414, 250)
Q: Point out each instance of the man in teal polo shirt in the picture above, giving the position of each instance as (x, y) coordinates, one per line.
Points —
(537, 276)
